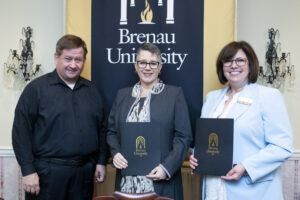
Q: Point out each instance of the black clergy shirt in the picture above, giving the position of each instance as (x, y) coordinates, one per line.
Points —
(54, 121)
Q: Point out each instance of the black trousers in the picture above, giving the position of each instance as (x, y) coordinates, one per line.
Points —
(64, 182)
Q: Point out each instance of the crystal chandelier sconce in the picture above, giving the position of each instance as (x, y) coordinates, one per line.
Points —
(20, 68)
(278, 68)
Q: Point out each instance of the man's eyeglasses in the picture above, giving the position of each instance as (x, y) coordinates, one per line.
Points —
(241, 62)
(143, 64)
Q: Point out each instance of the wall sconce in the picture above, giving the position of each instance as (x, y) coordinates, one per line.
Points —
(20, 69)
(278, 68)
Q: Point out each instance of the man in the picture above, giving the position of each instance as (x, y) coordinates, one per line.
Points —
(59, 129)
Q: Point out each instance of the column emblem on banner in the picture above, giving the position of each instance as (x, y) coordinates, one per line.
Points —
(147, 13)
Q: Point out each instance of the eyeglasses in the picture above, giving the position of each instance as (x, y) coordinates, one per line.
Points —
(238, 61)
(143, 64)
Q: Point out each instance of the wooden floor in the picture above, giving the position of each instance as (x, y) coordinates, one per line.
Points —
(192, 184)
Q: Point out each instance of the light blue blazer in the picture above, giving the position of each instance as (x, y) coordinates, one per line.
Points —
(262, 140)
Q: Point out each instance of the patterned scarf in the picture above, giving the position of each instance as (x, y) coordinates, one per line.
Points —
(144, 115)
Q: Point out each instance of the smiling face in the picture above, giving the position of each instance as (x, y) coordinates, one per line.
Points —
(69, 64)
(148, 76)
(237, 72)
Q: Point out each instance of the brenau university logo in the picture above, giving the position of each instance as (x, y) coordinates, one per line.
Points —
(213, 144)
(140, 146)
(124, 53)
(147, 13)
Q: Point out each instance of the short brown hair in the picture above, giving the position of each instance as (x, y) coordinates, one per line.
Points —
(229, 51)
(70, 42)
(152, 48)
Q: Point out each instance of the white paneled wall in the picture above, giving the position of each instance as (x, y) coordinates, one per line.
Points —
(11, 189)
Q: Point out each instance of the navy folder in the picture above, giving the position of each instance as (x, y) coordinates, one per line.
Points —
(140, 145)
(214, 146)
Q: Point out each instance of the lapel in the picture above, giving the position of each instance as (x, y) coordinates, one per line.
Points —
(157, 105)
(249, 95)
(128, 101)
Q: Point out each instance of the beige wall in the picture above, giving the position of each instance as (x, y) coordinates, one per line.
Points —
(253, 24)
(46, 19)
(218, 31)
(79, 23)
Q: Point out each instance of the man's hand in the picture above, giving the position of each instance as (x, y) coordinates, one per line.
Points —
(119, 161)
(235, 173)
(157, 174)
(31, 183)
(100, 173)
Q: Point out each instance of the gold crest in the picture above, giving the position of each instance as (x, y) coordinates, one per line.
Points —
(140, 146)
(213, 144)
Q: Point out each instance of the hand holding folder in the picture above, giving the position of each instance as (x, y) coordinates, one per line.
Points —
(214, 146)
(119, 161)
(157, 174)
(140, 146)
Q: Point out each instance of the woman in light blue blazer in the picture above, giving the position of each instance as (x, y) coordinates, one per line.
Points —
(262, 132)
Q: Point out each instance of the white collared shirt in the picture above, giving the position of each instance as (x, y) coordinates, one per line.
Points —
(218, 112)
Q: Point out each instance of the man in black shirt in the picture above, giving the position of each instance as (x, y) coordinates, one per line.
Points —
(59, 129)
